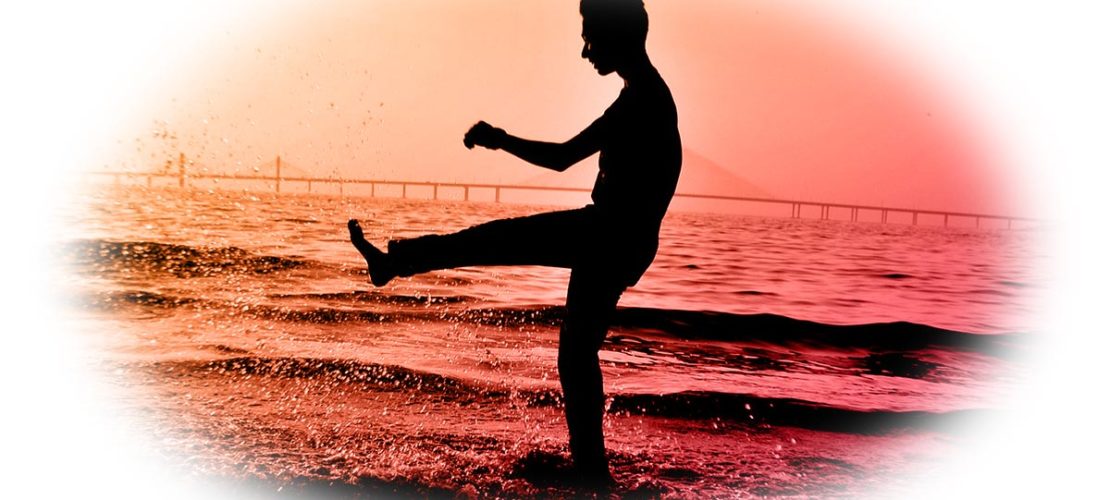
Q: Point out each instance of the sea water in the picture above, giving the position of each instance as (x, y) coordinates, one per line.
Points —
(757, 356)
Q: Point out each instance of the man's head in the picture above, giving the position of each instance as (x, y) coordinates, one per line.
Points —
(613, 32)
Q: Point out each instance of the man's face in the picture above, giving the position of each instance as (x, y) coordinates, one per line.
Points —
(598, 50)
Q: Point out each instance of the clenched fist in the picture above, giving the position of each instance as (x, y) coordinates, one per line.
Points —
(485, 135)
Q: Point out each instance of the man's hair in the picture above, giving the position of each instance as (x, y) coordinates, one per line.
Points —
(619, 20)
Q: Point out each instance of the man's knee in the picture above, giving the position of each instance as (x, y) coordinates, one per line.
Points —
(577, 360)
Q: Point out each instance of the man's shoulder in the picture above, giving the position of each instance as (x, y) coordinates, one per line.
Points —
(648, 98)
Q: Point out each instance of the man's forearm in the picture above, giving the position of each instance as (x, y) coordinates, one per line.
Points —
(550, 155)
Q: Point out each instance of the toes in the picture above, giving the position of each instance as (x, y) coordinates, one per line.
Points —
(354, 227)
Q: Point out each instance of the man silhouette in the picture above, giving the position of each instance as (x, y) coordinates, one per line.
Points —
(607, 245)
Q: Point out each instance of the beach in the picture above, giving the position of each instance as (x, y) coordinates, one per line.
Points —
(757, 357)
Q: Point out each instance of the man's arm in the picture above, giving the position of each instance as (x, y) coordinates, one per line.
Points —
(551, 155)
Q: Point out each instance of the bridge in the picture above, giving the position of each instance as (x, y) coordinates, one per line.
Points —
(883, 213)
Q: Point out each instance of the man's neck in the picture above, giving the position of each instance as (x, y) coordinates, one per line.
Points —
(638, 69)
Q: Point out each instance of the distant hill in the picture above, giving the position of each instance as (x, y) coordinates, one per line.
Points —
(700, 175)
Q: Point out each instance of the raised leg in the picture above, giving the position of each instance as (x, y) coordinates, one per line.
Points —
(556, 239)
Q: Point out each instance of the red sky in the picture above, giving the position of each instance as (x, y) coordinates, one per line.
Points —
(801, 103)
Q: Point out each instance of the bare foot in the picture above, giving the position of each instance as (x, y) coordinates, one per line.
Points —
(377, 262)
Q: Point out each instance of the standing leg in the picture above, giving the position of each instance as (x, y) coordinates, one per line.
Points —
(591, 301)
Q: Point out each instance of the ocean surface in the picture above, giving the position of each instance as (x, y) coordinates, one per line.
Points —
(757, 357)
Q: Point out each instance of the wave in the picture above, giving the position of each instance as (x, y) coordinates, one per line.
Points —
(762, 328)
(178, 260)
(375, 297)
(786, 412)
(375, 376)
(393, 310)
(778, 329)
(737, 408)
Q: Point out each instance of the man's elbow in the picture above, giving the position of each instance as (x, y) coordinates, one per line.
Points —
(560, 162)
(567, 158)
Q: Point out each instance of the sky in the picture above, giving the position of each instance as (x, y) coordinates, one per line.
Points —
(82, 76)
(788, 99)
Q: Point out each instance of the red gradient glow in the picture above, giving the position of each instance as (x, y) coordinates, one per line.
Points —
(798, 103)
(76, 69)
